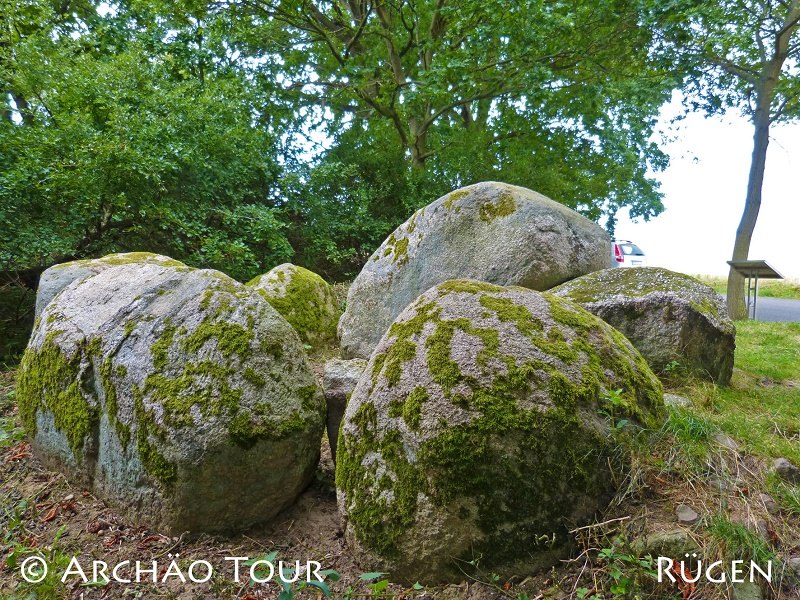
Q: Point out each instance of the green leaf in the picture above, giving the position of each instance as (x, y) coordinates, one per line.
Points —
(370, 576)
(322, 586)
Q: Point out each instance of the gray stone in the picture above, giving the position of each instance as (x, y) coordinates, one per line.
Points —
(303, 298)
(57, 277)
(482, 427)
(491, 232)
(720, 484)
(793, 564)
(686, 515)
(726, 441)
(746, 590)
(178, 394)
(763, 529)
(786, 470)
(769, 504)
(338, 382)
(675, 544)
(677, 401)
(671, 318)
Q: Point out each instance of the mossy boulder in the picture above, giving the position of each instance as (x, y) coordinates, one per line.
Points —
(57, 277)
(339, 379)
(304, 299)
(491, 232)
(679, 324)
(176, 393)
(484, 427)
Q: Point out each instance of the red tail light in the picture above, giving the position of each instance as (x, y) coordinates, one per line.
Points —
(618, 254)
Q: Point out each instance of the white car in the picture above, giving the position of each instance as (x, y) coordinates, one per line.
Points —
(625, 253)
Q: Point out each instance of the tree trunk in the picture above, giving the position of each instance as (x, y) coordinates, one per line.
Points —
(419, 144)
(752, 204)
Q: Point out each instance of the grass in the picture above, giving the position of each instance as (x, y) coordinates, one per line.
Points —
(685, 463)
(767, 288)
(761, 407)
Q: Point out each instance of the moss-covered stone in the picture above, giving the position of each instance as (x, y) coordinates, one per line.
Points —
(164, 388)
(58, 277)
(671, 318)
(497, 437)
(502, 207)
(303, 298)
(489, 232)
(50, 380)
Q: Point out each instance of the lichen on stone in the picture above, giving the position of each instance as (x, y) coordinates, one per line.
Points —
(510, 413)
(502, 207)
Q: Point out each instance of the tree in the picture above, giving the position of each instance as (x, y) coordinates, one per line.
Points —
(132, 131)
(739, 54)
(558, 96)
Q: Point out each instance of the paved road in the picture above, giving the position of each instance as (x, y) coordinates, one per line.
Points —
(777, 309)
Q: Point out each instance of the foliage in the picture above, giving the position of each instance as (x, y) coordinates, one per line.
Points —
(558, 97)
(627, 572)
(16, 321)
(122, 137)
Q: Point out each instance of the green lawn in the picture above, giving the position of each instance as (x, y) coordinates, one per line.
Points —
(761, 407)
(768, 288)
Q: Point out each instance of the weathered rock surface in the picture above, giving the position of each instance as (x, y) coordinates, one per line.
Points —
(165, 389)
(769, 504)
(668, 316)
(677, 401)
(491, 232)
(675, 543)
(686, 515)
(482, 427)
(787, 470)
(304, 299)
(338, 382)
(57, 277)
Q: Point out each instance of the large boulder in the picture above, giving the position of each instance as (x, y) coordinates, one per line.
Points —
(678, 324)
(491, 232)
(339, 379)
(483, 427)
(57, 277)
(176, 393)
(304, 299)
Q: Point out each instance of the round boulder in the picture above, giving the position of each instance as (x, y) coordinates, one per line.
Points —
(680, 326)
(482, 428)
(491, 232)
(304, 299)
(57, 277)
(176, 393)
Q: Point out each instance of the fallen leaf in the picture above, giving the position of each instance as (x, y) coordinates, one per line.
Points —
(112, 540)
(18, 452)
(51, 514)
(146, 542)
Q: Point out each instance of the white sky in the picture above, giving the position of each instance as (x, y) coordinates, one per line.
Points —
(704, 189)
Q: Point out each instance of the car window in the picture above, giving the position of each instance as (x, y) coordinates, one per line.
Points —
(631, 249)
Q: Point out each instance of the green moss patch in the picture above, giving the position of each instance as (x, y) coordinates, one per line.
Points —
(49, 380)
(502, 207)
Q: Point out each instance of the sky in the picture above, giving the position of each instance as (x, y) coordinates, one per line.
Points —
(704, 189)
